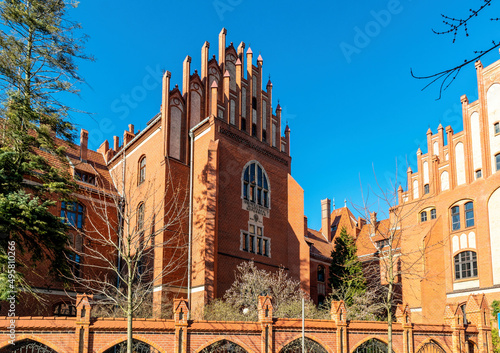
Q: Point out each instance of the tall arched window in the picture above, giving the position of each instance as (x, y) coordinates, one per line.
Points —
(255, 184)
(455, 217)
(142, 170)
(465, 265)
(72, 214)
(140, 217)
(469, 214)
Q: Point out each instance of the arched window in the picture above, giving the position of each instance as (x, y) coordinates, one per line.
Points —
(426, 188)
(142, 170)
(465, 265)
(140, 216)
(321, 273)
(255, 184)
(423, 216)
(455, 217)
(469, 214)
(72, 214)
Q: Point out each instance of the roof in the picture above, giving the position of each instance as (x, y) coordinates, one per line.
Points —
(320, 247)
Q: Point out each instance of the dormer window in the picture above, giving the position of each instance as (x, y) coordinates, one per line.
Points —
(85, 177)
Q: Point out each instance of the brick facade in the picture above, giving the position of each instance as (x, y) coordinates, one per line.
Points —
(268, 334)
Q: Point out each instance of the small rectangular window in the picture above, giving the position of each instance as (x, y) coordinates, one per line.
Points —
(479, 173)
(426, 188)
(497, 128)
(433, 213)
(497, 162)
(423, 216)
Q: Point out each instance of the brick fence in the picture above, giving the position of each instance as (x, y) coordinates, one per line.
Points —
(337, 335)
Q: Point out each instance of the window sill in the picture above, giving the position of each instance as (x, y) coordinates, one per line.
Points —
(466, 283)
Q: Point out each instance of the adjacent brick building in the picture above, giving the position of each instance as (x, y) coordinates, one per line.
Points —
(214, 160)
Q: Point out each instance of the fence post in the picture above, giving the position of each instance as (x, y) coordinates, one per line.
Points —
(82, 323)
(403, 316)
(455, 318)
(265, 310)
(338, 314)
(181, 311)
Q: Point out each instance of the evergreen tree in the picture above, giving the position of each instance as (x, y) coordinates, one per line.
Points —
(37, 53)
(346, 271)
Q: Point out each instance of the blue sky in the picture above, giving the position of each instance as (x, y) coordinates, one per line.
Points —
(341, 71)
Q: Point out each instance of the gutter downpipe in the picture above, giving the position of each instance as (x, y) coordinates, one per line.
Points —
(191, 153)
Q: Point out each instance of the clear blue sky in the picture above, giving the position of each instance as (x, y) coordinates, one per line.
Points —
(349, 99)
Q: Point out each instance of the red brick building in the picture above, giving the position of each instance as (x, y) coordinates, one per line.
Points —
(446, 230)
(214, 159)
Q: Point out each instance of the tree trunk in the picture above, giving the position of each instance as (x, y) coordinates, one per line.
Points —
(129, 311)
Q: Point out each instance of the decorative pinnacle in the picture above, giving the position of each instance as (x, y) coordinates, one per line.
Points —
(214, 84)
(226, 74)
(249, 51)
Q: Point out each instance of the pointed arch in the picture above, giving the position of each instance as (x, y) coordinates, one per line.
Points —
(19, 338)
(371, 340)
(238, 343)
(431, 345)
(136, 338)
(313, 340)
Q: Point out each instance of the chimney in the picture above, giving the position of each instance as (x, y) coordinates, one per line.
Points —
(325, 218)
(131, 128)
(84, 138)
(116, 143)
(373, 218)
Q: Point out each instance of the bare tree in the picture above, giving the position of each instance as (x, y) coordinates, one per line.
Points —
(398, 248)
(124, 231)
(240, 301)
(454, 26)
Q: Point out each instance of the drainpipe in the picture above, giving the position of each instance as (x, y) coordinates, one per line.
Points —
(191, 135)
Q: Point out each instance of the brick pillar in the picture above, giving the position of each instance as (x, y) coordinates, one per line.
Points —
(478, 313)
(403, 316)
(181, 311)
(265, 310)
(82, 323)
(455, 318)
(338, 313)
